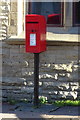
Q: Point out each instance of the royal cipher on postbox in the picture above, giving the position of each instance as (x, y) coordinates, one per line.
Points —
(35, 33)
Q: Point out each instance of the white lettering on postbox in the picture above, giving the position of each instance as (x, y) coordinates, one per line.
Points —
(32, 39)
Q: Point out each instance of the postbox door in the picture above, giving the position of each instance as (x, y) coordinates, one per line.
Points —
(33, 37)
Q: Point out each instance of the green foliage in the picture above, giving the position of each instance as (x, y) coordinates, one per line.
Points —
(24, 101)
(67, 103)
(43, 100)
(12, 102)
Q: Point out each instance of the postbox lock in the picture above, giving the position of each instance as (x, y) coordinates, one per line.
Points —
(33, 30)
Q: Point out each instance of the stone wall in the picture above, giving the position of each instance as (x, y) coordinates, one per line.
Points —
(8, 19)
(4, 19)
(59, 70)
(12, 28)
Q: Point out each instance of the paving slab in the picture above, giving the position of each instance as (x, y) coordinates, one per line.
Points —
(26, 111)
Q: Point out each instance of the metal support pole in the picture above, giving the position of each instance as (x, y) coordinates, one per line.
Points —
(36, 79)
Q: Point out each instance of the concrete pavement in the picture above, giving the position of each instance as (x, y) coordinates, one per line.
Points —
(26, 111)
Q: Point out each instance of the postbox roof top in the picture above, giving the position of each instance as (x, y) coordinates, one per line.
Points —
(34, 15)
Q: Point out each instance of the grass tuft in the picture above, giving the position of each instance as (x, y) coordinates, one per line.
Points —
(67, 103)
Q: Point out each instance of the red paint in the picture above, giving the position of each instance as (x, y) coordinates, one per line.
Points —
(54, 19)
(35, 33)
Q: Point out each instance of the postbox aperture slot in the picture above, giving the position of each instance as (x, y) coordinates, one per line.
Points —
(33, 22)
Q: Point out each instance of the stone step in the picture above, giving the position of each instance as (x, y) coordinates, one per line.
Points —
(3, 31)
(3, 14)
(2, 17)
(3, 27)
(3, 23)
(4, 11)
(3, 5)
(3, 36)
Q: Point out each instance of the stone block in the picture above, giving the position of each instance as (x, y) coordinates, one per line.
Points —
(74, 83)
(66, 94)
(4, 45)
(62, 119)
(50, 58)
(1, 44)
(14, 51)
(5, 56)
(49, 92)
(27, 89)
(75, 118)
(12, 80)
(24, 63)
(73, 88)
(11, 87)
(75, 76)
(0, 51)
(13, 18)
(0, 71)
(1, 58)
(14, 6)
(63, 67)
(16, 96)
(15, 47)
(9, 72)
(16, 56)
(5, 51)
(56, 85)
(22, 49)
(27, 72)
(12, 30)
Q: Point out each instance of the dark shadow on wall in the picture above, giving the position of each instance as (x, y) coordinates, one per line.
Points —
(65, 30)
(40, 119)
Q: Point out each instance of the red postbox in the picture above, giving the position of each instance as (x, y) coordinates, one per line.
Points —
(35, 33)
